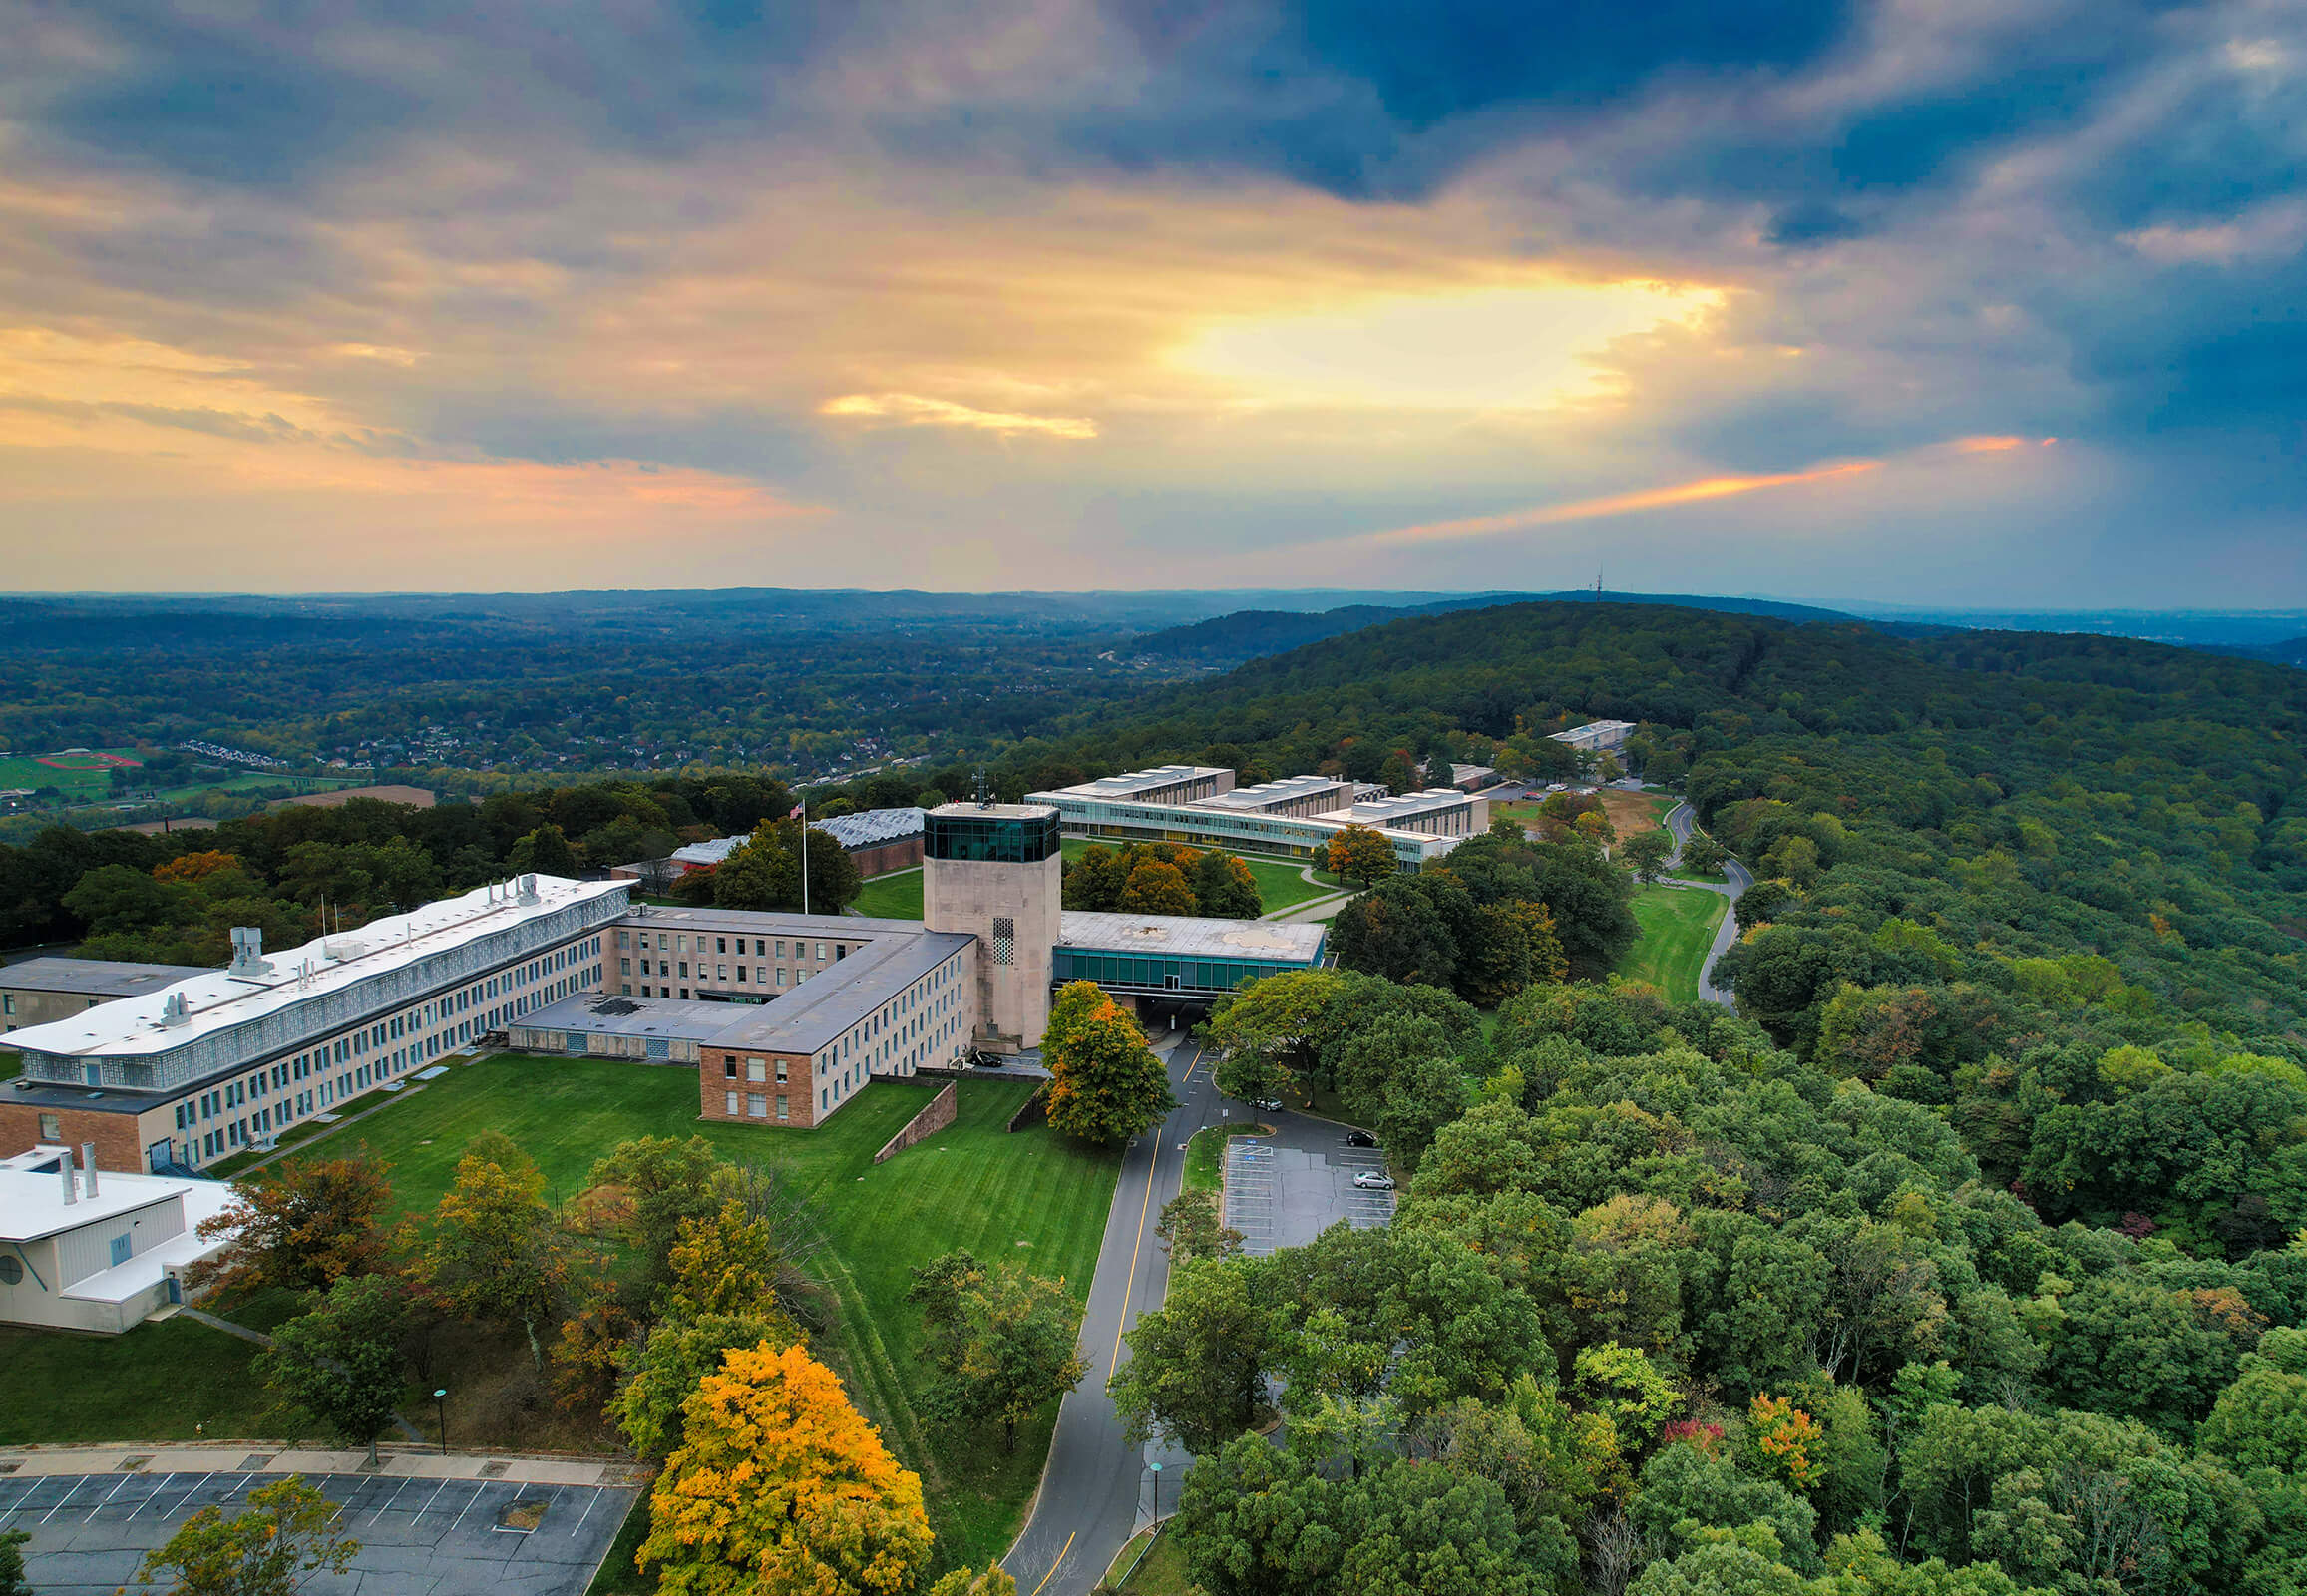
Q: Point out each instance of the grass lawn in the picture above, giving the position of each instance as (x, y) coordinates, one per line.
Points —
(1161, 1573)
(170, 1381)
(618, 1575)
(895, 896)
(11, 1065)
(1034, 1198)
(1206, 1154)
(1677, 926)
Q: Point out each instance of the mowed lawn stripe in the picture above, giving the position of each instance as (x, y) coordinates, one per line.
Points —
(1677, 926)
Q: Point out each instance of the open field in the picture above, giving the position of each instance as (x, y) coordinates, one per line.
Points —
(1677, 926)
(895, 896)
(91, 778)
(1630, 813)
(1033, 1198)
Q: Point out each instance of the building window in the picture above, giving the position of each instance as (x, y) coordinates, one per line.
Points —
(732, 1097)
(755, 1071)
(1004, 940)
(780, 1107)
(729, 1068)
(784, 1070)
(51, 1128)
(757, 1106)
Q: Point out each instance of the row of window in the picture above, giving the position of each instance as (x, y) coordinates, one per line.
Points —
(677, 942)
(342, 1068)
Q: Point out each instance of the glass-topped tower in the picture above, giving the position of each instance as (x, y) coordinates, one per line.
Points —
(998, 872)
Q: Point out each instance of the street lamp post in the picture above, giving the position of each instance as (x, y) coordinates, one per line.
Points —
(441, 1407)
(1157, 1474)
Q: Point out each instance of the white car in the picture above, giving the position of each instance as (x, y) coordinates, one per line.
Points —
(1373, 1180)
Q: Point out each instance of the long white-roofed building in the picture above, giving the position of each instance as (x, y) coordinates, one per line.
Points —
(1296, 816)
(182, 1077)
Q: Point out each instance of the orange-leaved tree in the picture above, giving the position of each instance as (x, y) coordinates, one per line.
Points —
(311, 1222)
(1360, 854)
(1104, 1084)
(779, 1486)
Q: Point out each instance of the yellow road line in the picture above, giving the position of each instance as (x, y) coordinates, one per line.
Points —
(1060, 1563)
(1129, 1281)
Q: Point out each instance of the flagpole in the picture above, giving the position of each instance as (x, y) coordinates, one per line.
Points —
(805, 853)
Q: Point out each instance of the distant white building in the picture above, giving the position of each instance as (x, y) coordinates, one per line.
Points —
(1598, 736)
(103, 1252)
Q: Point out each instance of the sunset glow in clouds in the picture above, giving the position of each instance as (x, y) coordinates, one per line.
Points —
(1069, 293)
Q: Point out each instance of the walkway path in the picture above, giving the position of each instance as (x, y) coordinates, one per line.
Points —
(277, 1457)
(1681, 820)
(1096, 1488)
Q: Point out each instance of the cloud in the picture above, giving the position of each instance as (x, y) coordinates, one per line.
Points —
(1620, 504)
(912, 410)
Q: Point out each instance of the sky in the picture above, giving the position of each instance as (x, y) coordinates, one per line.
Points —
(1986, 302)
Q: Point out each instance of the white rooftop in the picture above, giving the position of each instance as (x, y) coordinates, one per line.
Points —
(1137, 782)
(220, 1000)
(32, 1201)
(1182, 936)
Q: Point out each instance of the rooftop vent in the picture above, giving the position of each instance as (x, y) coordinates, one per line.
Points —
(249, 953)
(173, 1012)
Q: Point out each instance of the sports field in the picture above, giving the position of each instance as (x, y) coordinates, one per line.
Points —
(76, 775)
(1677, 926)
(1035, 1198)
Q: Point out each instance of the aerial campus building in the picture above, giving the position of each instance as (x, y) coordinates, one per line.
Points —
(785, 1018)
(1296, 816)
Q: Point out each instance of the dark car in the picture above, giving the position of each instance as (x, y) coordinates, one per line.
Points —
(1361, 1138)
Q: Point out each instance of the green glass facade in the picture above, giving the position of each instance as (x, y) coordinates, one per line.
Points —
(1162, 975)
(1002, 838)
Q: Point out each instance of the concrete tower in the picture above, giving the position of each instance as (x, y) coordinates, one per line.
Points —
(997, 871)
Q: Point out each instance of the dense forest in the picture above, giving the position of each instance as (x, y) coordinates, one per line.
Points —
(1969, 1255)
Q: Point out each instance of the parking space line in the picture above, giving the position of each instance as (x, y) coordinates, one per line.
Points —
(595, 1496)
(155, 1495)
(429, 1500)
(66, 1496)
(190, 1494)
(467, 1507)
(107, 1502)
(394, 1497)
(30, 1486)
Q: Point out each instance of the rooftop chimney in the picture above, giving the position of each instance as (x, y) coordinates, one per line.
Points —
(63, 1166)
(528, 884)
(88, 1177)
(173, 1011)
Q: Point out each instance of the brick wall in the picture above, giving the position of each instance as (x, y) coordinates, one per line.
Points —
(115, 1135)
(715, 1083)
(931, 1119)
(881, 858)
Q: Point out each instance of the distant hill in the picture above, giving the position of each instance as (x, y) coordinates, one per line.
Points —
(1250, 634)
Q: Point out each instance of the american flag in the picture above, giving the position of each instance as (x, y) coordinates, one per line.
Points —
(796, 814)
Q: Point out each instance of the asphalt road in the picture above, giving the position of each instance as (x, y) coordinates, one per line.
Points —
(1096, 1488)
(1680, 821)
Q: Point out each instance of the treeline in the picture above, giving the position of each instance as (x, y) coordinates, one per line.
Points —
(1666, 1309)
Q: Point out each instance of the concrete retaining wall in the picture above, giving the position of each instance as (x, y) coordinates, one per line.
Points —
(931, 1119)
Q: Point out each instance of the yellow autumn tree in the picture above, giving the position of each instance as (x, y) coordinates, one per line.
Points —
(781, 1488)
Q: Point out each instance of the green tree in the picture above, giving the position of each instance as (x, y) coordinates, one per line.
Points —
(966, 1582)
(1271, 1033)
(1644, 853)
(286, 1539)
(12, 1562)
(1361, 854)
(493, 1250)
(1197, 1363)
(1224, 888)
(2261, 1422)
(1192, 1227)
(545, 851)
(650, 1185)
(1425, 1094)
(1703, 856)
(341, 1361)
(1002, 1339)
(1105, 1084)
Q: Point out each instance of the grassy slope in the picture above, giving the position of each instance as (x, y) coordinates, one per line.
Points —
(972, 1186)
(156, 1383)
(896, 896)
(1206, 1154)
(1677, 926)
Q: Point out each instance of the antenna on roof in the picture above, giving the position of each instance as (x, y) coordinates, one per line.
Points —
(1598, 583)
(985, 796)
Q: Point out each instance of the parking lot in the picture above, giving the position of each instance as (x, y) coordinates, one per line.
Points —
(419, 1536)
(1286, 1190)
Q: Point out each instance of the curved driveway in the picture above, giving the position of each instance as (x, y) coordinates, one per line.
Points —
(1096, 1488)
(1680, 821)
